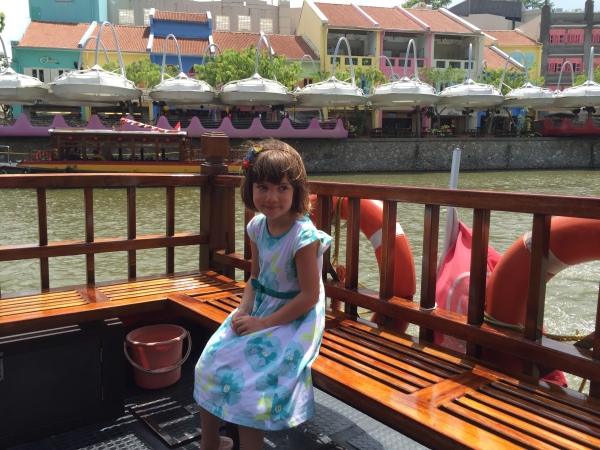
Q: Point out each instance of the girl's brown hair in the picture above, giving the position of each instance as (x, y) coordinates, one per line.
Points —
(274, 161)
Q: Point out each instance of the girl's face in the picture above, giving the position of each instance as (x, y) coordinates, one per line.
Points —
(273, 200)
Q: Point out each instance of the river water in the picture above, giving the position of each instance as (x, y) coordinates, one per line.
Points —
(571, 296)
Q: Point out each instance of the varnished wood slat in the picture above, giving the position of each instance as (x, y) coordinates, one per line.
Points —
(352, 252)
(416, 359)
(449, 360)
(388, 248)
(366, 368)
(32, 305)
(534, 427)
(170, 227)
(429, 264)
(415, 378)
(478, 275)
(438, 394)
(566, 411)
(90, 268)
(71, 248)
(518, 438)
(538, 269)
(43, 236)
(131, 231)
(545, 420)
(232, 259)
(324, 219)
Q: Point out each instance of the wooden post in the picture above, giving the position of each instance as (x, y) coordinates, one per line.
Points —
(217, 214)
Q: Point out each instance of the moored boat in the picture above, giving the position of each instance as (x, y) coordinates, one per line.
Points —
(139, 148)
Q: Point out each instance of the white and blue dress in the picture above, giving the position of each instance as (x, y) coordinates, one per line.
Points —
(263, 380)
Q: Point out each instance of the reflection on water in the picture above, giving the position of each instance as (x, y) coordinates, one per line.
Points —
(572, 295)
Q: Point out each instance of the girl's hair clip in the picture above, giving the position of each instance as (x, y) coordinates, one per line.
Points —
(252, 152)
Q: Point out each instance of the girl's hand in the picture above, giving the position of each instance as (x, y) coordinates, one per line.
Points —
(234, 319)
(246, 324)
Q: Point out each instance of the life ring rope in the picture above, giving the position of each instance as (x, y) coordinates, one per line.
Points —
(553, 336)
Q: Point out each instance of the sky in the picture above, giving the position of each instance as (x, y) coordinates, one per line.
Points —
(17, 12)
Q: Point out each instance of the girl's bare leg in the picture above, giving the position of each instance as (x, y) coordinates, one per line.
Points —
(251, 438)
(209, 423)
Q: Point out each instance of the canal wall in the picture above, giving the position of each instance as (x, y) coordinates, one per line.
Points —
(420, 154)
(435, 154)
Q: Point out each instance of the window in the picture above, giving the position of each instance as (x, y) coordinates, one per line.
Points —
(126, 17)
(146, 17)
(440, 64)
(36, 73)
(575, 36)
(557, 36)
(266, 25)
(222, 23)
(244, 23)
(366, 61)
(596, 37)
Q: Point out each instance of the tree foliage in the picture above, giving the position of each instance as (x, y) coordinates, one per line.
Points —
(232, 65)
(441, 78)
(143, 73)
(436, 4)
(536, 4)
(580, 79)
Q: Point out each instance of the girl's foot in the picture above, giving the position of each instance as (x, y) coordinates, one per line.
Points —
(226, 443)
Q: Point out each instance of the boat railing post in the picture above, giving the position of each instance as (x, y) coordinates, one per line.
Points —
(217, 204)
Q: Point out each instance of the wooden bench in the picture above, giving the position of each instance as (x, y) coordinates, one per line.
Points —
(437, 397)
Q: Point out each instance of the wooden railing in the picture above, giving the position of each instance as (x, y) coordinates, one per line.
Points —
(216, 236)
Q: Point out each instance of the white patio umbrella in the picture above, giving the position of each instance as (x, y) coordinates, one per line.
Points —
(469, 94)
(96, 84)
(528, 95)
(17, 89)
(256, 90)
(182, 91)
(405, 92)
(332, 92)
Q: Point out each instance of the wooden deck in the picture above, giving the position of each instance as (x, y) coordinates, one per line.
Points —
(438, 397)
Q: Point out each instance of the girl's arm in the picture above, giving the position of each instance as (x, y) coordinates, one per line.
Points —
(309, 281)
(249, 294)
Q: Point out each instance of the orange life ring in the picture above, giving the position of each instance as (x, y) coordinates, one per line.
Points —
(371, 222)
(42, 155)
(572, 241)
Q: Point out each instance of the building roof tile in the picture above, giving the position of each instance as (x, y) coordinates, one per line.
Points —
(344, 16)
(495, 61)
(181, 16)
(439, 22)
(512, 38)
(68, 35)
(292, 47)
(392, 18)
(187, 46)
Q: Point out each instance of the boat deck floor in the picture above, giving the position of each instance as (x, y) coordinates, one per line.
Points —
(172, 412)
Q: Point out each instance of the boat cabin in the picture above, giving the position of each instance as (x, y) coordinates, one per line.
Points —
(74, 144)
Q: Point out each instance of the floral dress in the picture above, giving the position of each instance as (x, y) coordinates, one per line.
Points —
(263, 380)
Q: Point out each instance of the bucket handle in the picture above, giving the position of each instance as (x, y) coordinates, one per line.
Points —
(162, 369)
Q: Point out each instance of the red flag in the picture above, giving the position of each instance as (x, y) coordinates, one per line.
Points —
(178, 126)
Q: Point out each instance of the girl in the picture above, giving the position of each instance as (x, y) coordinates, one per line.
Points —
(255, 370)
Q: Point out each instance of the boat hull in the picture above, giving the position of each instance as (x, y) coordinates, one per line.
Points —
(116, 167)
